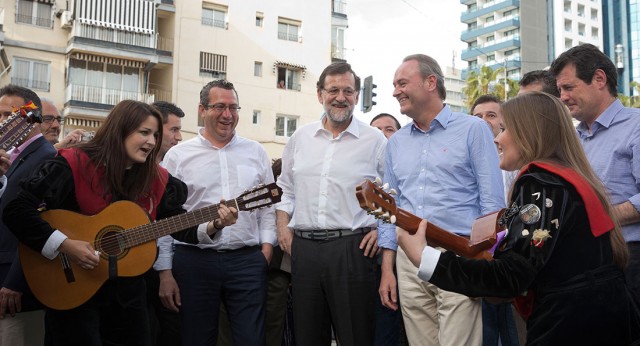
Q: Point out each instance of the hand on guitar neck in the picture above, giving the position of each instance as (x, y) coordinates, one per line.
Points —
(383, 206)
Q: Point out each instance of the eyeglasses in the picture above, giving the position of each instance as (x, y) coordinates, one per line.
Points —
(48, 119)
(220, 108)
(335, 91)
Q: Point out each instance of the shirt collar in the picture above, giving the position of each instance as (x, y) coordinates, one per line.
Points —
(443, 118)
(352, 129)
(16, 151)
(605, 119)
(206, 141)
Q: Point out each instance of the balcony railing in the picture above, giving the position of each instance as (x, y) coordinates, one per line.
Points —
(87, 93)
(32, 84)
(337, 52)
(114, 35)
(44, 22)
(164, 43)
(214, 22)
(160, 95)
(286, 36)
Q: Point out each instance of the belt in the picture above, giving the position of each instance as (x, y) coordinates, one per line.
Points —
(330, 234)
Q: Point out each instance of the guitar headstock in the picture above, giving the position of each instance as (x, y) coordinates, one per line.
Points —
(376, 201)
(18, 125)
(260, 196)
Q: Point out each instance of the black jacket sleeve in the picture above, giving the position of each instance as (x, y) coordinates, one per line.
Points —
(545, 207)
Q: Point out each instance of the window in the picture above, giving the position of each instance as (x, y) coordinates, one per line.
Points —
(510, 32)
(567, 25)
(490, 38)
(581, 29)
(34, 13)
(512, 12)
(288, 29)
(288, 78)
(491, 59)
(473, 64)
(31, 74)
(337, 43)
(594, 14)
(104, 82)
(489, 19)
(286, 125)
(259, 19)
(472, 25)
(256, 117)
(257, 69)
(580, 10)
(213, 65)
(473, 44)
(215, 16)
(594, 33)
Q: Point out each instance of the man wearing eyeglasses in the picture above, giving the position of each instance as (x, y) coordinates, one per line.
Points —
(51, 127)
(331, 240)
(230, 266)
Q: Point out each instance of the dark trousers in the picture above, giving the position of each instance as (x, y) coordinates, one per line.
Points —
(389, 327)
(237, 278)
(333, 283)
(632, 272)
(116, 315)
(276, 309)
(498, 325)
(164, 323)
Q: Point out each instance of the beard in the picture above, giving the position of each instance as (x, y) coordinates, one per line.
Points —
(342, 115)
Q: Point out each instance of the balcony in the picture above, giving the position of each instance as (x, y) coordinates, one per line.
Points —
(337, 53)
(160, 95)
(505, 5)
(505, 43)
(86, 94)
(506, 23)
(113, 35)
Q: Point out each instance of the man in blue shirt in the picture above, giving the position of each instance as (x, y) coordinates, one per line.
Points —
(610, 136)
(444, 167)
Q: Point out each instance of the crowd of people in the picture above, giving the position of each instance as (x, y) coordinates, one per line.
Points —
(565, 270)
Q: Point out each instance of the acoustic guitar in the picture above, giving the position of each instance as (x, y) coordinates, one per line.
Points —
(382, 205)
(122, 232)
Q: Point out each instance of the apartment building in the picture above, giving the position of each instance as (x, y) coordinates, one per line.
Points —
(88, 55)
(454, 84)
(621, 24)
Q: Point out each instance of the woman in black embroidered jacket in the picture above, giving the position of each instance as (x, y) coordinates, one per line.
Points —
(563, 255)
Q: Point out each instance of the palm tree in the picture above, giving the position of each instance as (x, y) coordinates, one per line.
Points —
(479, 83)
(512, 91)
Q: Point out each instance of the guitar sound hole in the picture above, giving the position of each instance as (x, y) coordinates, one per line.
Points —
(111, 242)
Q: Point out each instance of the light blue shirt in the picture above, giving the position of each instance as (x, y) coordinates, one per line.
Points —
(448, 175)
(613, 149)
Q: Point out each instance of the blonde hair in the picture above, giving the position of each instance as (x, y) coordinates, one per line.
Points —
(541, 127)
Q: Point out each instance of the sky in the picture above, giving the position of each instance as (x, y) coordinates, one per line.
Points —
(382, 32)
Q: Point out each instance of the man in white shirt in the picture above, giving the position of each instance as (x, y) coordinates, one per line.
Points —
(331, 240)
(231, 266)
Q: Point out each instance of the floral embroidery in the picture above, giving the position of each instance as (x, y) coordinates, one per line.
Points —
(539, 237)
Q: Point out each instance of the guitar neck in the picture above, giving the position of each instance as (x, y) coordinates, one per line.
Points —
(154, 230)
(437, 236)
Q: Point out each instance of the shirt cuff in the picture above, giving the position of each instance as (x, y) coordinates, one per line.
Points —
(50, 249)
(635, 202)
(428, 262)
(203, 236)
(3, 184)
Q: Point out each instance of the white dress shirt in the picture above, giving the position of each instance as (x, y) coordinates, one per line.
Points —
(320, 174)
(213, 173)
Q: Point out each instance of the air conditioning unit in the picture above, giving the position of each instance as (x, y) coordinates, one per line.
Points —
(66, 20)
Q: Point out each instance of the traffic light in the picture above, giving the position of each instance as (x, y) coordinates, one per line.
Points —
(368, 95)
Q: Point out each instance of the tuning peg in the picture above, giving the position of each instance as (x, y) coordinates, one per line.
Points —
(385, 186)
(393, 192)
(378, 181)
(392, 219)
(378, 211)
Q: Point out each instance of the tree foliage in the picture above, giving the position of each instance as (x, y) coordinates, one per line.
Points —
(485, 81)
